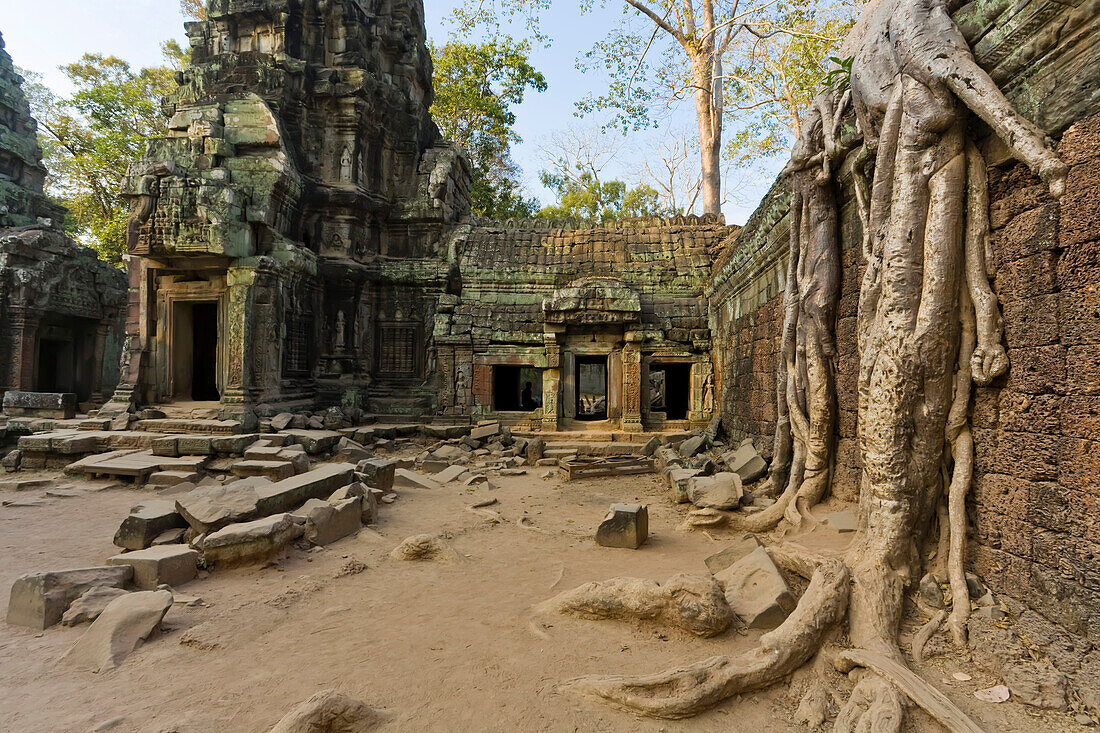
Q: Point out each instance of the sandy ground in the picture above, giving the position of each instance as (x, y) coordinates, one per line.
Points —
(434, 647)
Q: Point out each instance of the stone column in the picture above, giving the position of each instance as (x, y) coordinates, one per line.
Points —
(551, 384)
(24, 336)
(97, 362)
(632, 383)
(701, 373)
(235, 342)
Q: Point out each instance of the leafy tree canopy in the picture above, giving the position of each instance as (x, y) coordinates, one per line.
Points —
(476, 86)
(585, 198)
(89, 139)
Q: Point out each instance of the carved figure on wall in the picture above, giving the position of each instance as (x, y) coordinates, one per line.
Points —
(339, 340)
(346, 167)
(462, 384)
(708, 394)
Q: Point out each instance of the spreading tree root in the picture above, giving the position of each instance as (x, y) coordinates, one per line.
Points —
(687, 691)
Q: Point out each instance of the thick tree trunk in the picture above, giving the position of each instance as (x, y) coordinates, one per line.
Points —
(709, 116)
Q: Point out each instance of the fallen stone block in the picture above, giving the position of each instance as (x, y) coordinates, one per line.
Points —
(451, 473)
(171, 478)
(328, 711)
(444, 432)
(377, 472)
(262, 450)
(282, 496)
(720, 491)
(170, 537)
(39, 600)
(171, 565)
(651, 446)
(369, 497)
(209, 508)
(12, 460)
(126, 622)
(314, 441)
(678, 479)
(147, 521)
(692, 445)
(535, 449)
(276, 470)
(60, 405)
(167, 446)
(326, 522)
(298, 458)
(406, 479)
(746, 463)
(626, 525)
(282, 421)
(448, 453)
(90, 605)
(665, 456)
(194, 445)
(756, 590)
(489, 430)
(741, 546)
(434, 466)
(232, 444)
(251, 542)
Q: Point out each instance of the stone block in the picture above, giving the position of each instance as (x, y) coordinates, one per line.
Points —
(741, 547)
(232, 444)
(172, 478)
(38, 600)
(720, 491)
(746, 463)
(314, 441)
(171, 565)
(433, 467)
(693, 445)
(282, 421)
(147, 521)
(626, 525)
(452, 473)
(124, 624)
(167, 446)
(756, 590)
(209, 508)
(60, 405)
(406, 479)
(678, 479)
(282, 496)
(377, 472)
(483, 432)
(90, 605)
(251, 542)
(276, 470)
(326, 522)
(195, 445)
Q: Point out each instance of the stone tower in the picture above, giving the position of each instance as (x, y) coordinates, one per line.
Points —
(287, 238)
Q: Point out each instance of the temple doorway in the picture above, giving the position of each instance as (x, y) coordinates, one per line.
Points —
(670, 390)
(591, 388)
(195, 351)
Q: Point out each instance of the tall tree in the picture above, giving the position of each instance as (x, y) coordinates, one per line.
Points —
(89, 139)
(663, 50)
(476, 86)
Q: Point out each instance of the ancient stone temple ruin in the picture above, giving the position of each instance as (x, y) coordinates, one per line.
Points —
(60, 307)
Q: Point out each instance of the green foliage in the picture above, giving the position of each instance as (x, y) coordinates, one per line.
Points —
(89, 140)
(476, 86)
(840, 78)
(585, 198)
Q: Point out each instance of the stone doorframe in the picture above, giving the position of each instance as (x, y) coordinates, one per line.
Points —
(167, 298)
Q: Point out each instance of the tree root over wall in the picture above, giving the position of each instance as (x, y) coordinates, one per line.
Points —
(928, 326)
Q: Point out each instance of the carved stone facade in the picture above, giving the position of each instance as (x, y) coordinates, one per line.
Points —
(288, 235)
(60, 307)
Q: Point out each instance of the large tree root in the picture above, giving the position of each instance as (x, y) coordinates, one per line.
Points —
(689, 602)
(687, 691)
(928, 698)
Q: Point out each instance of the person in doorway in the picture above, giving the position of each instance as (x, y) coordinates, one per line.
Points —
(527, 398)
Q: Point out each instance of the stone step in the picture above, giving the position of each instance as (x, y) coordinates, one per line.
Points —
(274, 470)
(558, 450)
(188, 425)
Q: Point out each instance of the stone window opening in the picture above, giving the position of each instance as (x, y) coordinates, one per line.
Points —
(516, 388)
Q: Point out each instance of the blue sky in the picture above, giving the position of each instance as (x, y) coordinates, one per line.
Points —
(42, 35)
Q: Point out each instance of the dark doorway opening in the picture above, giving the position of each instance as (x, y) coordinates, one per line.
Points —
(591, 384)
(516, 388)
(670, 390)
(55, 366)
(204, 352)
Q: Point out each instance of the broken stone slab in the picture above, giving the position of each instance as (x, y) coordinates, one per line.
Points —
(298, 458)
(369, 497)
(720, 491)
(262, 450)
(276, 470)
(692, 445)
(90, 605)
(171, 565)
(147, 521)
(448, 453)
(444, 432)
(434, 466)
(626, 525)
(329, 711)
(746, 463)
(665, 456)
(209, 508)
(756, 590)
(740, 547)
(61, 405)
(170, 537)
(451, 473)
(39, 600)
(326, 522)
(488, 430)
(282, 421)
(12, 460)
(702, 519)
(406, 479)
(377, 472)
(251, 542)
(678, 479)
(314, 441)
(25, 485)
(160, 479)
(126, 622)
(842, 522)
(232, 444)
(282, 496)
(167, 446)
(651, 446)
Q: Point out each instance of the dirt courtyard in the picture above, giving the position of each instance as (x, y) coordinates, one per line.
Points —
(432, 646)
